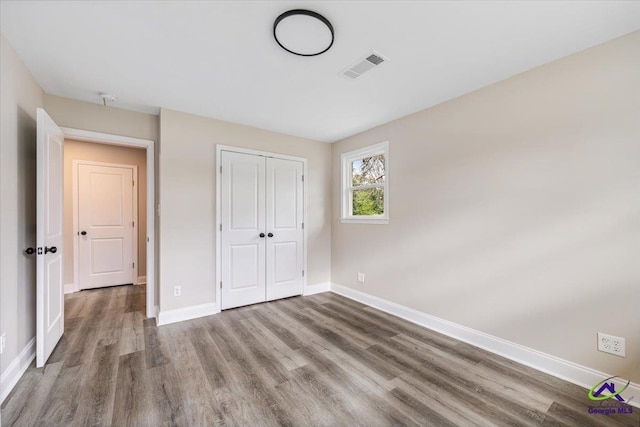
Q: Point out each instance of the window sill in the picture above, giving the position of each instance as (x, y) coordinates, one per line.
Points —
(364, 220)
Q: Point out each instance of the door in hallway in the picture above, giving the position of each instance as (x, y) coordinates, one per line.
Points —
(106, 200)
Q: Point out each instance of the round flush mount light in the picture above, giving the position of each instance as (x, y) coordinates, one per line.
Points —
(303, 32)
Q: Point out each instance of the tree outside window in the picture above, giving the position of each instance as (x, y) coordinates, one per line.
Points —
(365, 184)
(367, 180)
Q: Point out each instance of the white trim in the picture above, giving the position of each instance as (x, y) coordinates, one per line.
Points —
(219, 149)
(105, 138)
(70, 288)
(149, 145)
(76, 212)
(142, 280)
(187, 313)
(347, 187)
(317, 288)
(552, 365)
(16, 369)
(374, 220)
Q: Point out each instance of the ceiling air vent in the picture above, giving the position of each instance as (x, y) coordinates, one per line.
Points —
(362, 66)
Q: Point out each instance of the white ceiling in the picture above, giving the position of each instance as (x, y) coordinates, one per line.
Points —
(219, 59)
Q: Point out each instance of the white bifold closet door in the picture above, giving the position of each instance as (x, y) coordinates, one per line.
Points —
(262, 235)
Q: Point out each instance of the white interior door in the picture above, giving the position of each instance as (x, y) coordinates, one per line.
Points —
(49, 205)
(284, 195)
(105, 225)
(243, 223)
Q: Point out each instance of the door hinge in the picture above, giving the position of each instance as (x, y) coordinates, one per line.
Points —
(133, 223)
(220, 168)
(302, 273)
(133, 183)
(302, 178)
(303, 225)
(133, 265)
(220, 227)
(220, 284)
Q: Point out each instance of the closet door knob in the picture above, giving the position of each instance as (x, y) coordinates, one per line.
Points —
(52, 249)
(30, 251)
(261, 234)
(270, 234)
(84, 233)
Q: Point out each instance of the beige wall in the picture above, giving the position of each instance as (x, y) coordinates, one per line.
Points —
(20, 96)
(78, 150)
(515, 210)
(188, 197)
(97, 118)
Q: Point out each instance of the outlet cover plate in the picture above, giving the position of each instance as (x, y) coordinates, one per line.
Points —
(611, 344)
(361, 277)
(177, 291)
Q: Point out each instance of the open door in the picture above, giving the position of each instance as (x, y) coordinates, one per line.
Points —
(49, 190)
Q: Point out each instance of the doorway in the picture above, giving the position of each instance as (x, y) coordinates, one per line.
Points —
(262, 253)
(108, 174)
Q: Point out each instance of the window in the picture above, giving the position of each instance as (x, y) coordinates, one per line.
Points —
(365, 185)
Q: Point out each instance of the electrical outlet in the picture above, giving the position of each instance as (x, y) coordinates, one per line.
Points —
(3, 342)
(361, 277)
(611, 344)
(177, 291)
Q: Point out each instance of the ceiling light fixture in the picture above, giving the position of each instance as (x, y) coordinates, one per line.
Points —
(303, 32)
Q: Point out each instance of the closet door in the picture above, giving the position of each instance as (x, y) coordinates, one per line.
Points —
(284, 198)
(243, 254)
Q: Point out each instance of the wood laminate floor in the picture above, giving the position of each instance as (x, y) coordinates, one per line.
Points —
(303, 361)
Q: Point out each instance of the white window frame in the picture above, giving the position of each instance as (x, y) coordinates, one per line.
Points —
(346, 159)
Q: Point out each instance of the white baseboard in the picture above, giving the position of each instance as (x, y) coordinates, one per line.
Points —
(69, 288)
(187, 313)
(317, 288)
(552, 365)
(16, 368)
(142, 280)
(178, 315)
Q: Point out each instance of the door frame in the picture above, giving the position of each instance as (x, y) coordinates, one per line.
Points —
(76, 216)
(149, 146)
(219, 149)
